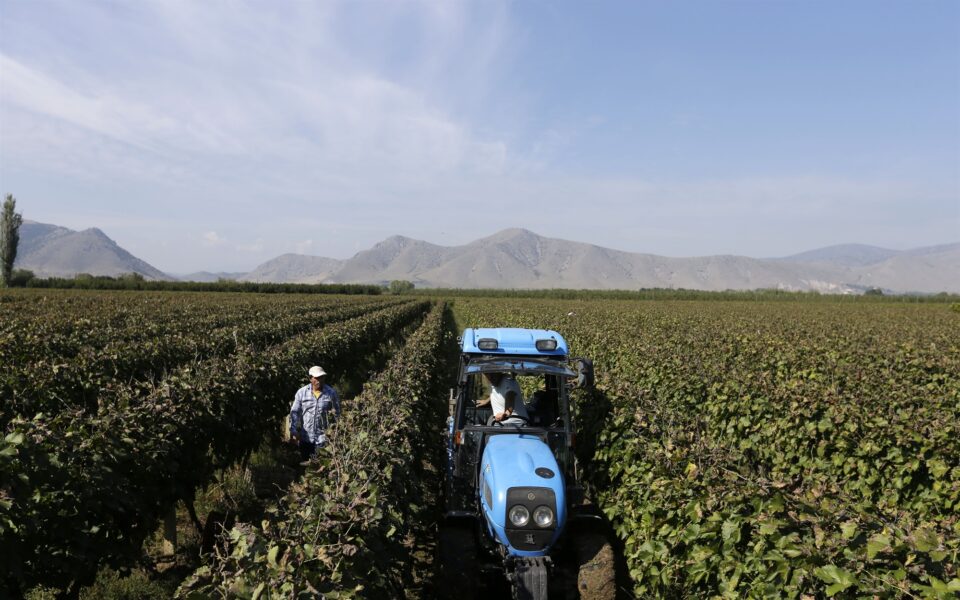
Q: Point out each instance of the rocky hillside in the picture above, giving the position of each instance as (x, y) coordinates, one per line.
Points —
(52, 251)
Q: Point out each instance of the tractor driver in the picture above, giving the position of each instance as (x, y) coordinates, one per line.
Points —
(505, 399)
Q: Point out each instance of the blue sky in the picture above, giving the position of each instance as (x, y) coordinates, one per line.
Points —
(218, 135)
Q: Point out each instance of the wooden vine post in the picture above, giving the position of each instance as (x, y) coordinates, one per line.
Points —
(170, 532)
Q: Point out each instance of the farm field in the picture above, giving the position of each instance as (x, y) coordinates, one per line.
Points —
(738, 449)
(769, 449)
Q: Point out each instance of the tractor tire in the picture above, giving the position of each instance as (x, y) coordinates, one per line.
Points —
(459, 576)
(532, 580)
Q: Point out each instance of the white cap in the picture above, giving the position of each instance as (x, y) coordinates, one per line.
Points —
(317, 372)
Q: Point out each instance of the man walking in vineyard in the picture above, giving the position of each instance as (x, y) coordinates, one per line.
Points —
(316, 406)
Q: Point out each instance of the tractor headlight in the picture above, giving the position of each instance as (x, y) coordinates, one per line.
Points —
(519, 515)
(546, 345)
(488, 344)
(543, 516)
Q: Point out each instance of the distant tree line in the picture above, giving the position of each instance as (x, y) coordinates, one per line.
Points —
(136, 281)
(685, 294)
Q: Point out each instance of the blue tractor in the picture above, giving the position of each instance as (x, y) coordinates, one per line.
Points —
(515, 513)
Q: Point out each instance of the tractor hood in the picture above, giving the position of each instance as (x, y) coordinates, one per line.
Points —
(521, 469)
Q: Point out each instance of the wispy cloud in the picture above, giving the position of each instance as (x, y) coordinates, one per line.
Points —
(212, 238)
(122, 119)
(255, 88)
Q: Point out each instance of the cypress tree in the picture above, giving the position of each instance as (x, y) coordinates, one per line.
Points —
(10, 221)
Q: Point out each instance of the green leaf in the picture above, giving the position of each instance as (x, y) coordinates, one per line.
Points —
(849, 530)
(840, 579)
(776, 503)
(272, 556)
(925, 540)
(942, 589)
(876, 544)
(938, 468)
(730, 531)
(837, 587)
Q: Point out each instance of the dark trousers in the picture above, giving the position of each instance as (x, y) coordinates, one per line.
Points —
(307, 449)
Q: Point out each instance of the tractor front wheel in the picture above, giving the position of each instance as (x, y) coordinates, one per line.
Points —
(530, 579)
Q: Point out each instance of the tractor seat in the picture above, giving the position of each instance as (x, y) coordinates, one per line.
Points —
(542, 408)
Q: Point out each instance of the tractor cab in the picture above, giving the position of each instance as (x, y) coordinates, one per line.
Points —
(513, 482)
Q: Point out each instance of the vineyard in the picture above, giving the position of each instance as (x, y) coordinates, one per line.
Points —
(756, 449)
(737, 448)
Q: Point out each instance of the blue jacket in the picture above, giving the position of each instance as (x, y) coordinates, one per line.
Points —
(310, 417)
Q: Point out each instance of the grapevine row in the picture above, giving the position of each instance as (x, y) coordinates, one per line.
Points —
(78, 491)
(348, 528)
(42, 380)
(72, 320)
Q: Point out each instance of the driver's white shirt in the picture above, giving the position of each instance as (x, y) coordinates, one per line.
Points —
(498, 395)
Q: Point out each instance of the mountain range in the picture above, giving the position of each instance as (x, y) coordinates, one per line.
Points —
(521, 259)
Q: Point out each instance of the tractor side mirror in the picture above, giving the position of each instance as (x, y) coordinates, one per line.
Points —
(584, 367)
